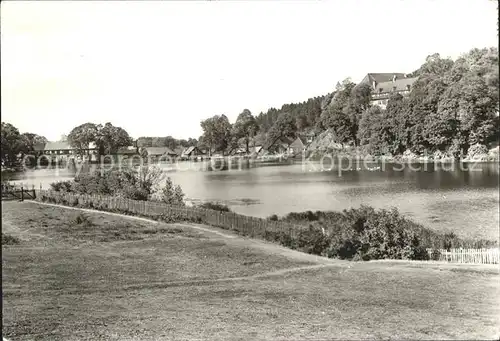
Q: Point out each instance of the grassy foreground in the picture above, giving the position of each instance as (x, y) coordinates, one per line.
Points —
(94, 276)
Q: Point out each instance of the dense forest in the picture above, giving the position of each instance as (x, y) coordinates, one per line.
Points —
(453, 107)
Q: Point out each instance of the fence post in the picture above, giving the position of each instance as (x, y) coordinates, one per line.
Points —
(22, 193)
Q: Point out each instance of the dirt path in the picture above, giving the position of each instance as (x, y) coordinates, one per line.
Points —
(228, 236)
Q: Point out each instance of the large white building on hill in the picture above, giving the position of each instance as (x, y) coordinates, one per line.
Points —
(385, 84)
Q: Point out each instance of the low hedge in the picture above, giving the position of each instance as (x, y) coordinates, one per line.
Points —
(357, 234)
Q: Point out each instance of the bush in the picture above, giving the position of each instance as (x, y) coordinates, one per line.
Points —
(135, 184)
(62, 186)
(364, 234)
(215, 207)
(171, 195)
(82, 220)
(312, 241)
(73, 202)
(477, 151)
(176, 217)
(273, 217)
(9, 240)
(435, 254)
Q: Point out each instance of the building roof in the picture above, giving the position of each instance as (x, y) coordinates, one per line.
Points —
(382, 77)
(299, 141)
(39, 147)
(398, 85)
(189, 150)
(57, 146)
(130, 150)
(60, 145)
(158, 151)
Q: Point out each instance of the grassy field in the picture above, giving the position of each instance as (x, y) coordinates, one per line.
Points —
(95, 276)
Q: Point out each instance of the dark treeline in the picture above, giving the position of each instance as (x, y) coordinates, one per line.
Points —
(167, 141)
(16, 145)
(305, 114)
(452, 108)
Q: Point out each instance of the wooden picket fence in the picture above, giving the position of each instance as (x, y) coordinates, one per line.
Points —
(18, 192)
(476, 256)
(247, 225)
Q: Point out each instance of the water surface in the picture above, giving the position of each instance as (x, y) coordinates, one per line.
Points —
(451, 199)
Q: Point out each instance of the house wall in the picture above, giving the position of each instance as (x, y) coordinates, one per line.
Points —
(382, 99)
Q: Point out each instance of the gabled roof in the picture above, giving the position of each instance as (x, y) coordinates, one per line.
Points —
(285, 142)
(158, 151)
(382, 77)
(57, 146)
(60, 145)
(39, 147)
(397, 85)
(299, 140)
(189, 150)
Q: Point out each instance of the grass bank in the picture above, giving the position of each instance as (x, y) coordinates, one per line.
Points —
(359, 234)
(102, 277)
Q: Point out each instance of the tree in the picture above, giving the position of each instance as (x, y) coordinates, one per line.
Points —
(369, 129)
(284, 127)
(191, 142)
(172, 195)
(301, 122)
(11, 144)
(107, 138)
(357, 103)
(434, 64)
(143, 152)
(396, 117)
(110, 139)
(82, 136)
(145, 142)
(341, 115)
(245, 128)
(216, 133)
(29, 141)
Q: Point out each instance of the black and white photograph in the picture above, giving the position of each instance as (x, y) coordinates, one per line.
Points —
(250, 170)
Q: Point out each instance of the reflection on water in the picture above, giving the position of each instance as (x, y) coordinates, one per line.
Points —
(445, 197)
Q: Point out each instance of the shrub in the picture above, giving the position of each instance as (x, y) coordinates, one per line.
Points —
(73, 202)
(9, 240)
(177, 217)
(364, 234)
(435, 254)
(171, 195)
(273, 217)
(62, 186)
(215, 207)
(477, 150)
(137, 184)
(82, 220)
(302, 216)
(312, 241)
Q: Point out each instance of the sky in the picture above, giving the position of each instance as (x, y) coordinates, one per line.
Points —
(159, 68)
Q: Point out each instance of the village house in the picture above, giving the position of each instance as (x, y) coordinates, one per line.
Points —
(62, 150)
(252, 150)
(385, 84)
(298, 146)
(191, 152)
(160, 153)
(292, 146)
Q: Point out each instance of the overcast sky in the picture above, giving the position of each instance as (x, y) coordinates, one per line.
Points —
(158, 68)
